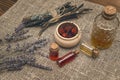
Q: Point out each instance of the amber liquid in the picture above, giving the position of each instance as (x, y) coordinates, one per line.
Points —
(86, 49)
(101, 38)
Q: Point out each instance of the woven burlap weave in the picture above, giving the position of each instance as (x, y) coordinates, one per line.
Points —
(106, 67)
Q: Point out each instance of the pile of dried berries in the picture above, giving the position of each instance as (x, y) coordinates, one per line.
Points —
(68, 30)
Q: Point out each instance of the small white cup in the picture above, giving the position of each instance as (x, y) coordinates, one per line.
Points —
(67, 42)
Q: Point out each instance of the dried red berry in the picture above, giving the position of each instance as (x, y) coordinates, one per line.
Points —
(68, 28)
(64, 35)
(61, 30)
(74, 30)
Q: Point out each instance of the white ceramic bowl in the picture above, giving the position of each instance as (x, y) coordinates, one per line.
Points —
(67, 42)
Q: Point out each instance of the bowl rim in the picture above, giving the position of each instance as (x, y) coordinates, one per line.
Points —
(77, 35)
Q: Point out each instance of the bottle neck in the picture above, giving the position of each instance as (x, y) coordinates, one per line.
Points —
(108, 17)
(76, 52)
(54, 50)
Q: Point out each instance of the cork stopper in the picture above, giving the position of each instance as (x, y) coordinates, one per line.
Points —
(95, 53)
(110, 10)
(54, 46)
(77, 51)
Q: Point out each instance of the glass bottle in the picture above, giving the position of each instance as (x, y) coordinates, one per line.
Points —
(104, 28)
(67, 58)
(54, 49)
(89, 50)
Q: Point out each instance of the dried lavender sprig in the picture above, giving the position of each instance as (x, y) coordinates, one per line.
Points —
(22, 32)
(65, 8)
(20, 27)
(40, 66)
(21, 38)
(31, 47)
(31, 50)
(37, 19)
(14, 69)
(65, 16)
(43, 55)
(9, 38)
(8, 47)
(17, 63)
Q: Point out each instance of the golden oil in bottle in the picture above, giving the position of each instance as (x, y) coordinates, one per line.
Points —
(104, 28)
(102, 38)
(89, 50)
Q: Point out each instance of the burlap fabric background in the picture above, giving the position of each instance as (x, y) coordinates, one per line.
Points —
(106, 67)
